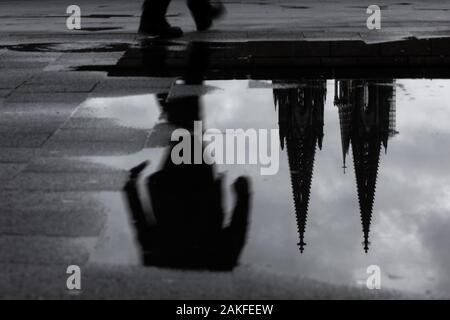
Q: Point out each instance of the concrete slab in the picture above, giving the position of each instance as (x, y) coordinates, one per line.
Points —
(44, 250)
(46, 97)
(67, 181)
(38, 109)
(10, 170)
(83, 218)
(23, 140)
(96, 148)
(18, 155)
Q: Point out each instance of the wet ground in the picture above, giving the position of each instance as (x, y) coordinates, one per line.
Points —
(360, 121)
(409, 213)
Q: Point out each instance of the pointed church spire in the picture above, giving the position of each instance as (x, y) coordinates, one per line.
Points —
(343, 100)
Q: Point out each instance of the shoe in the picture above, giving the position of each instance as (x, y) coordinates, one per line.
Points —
(204, 17)
(163, 30)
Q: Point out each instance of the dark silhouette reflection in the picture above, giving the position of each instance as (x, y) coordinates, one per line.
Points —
(367, 120)
(187, 199)
(300, 119)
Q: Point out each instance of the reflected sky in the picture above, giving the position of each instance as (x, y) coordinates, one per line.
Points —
(411, 214)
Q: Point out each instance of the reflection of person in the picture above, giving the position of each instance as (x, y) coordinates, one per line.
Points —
(186, 201)
(153, 20)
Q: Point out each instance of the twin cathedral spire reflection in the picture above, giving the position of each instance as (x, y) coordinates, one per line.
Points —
(367, 120)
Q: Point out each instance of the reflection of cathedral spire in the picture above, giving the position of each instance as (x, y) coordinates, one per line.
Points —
(300, 116)
(367, 120)
(342, 96)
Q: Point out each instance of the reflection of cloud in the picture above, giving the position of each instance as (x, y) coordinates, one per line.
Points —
(436, 238)
(408, 234)
(138, 111)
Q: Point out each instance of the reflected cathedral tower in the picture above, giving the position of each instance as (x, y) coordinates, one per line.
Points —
(367, 120)
(300, 117)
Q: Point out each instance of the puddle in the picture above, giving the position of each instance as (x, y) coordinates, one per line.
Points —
(392, 205)
(78, 47)
(135, 111)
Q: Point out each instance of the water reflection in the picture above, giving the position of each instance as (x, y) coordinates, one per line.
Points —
(367, 119)
(404, 214)
(185, 226)
(300, 120)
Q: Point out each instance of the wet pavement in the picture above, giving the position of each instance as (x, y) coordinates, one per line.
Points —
(398, 229)
(362, 136)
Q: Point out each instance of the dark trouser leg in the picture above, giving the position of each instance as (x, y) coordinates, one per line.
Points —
(154, 12)
(153, 19)
(204, 13)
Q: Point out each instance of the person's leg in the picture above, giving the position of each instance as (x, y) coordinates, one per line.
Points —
(153, 20)
(204, 12)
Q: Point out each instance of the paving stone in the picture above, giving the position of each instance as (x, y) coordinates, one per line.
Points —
(46, 97)
(91, 123)
(38, 108)
(67, 181)
(18, 155)
(56, 88)
(132, 86)
(17, 64)
(11, 78)
(100, 135)
(44, 200)
(4, 93)
(44, 250)
(10, 170)
(68, 165)
(18, 123)
(52, 214)
(22, 140)
(66, 78)
(85, 148)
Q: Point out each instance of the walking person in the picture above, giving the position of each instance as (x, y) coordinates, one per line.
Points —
(154, 22)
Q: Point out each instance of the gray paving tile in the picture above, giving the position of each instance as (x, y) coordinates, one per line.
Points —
(96, 148)
(126, 86)
(18, 155)
(76, 122)
(10, 170)
(51, 214)
(4, 93)
(44, 250)
(38, 108)
(56, 88)
(12, 78)
(100, 135)
(46, 97)
(23, 124)
(22, 140)
(68, 165)
(70, 181)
